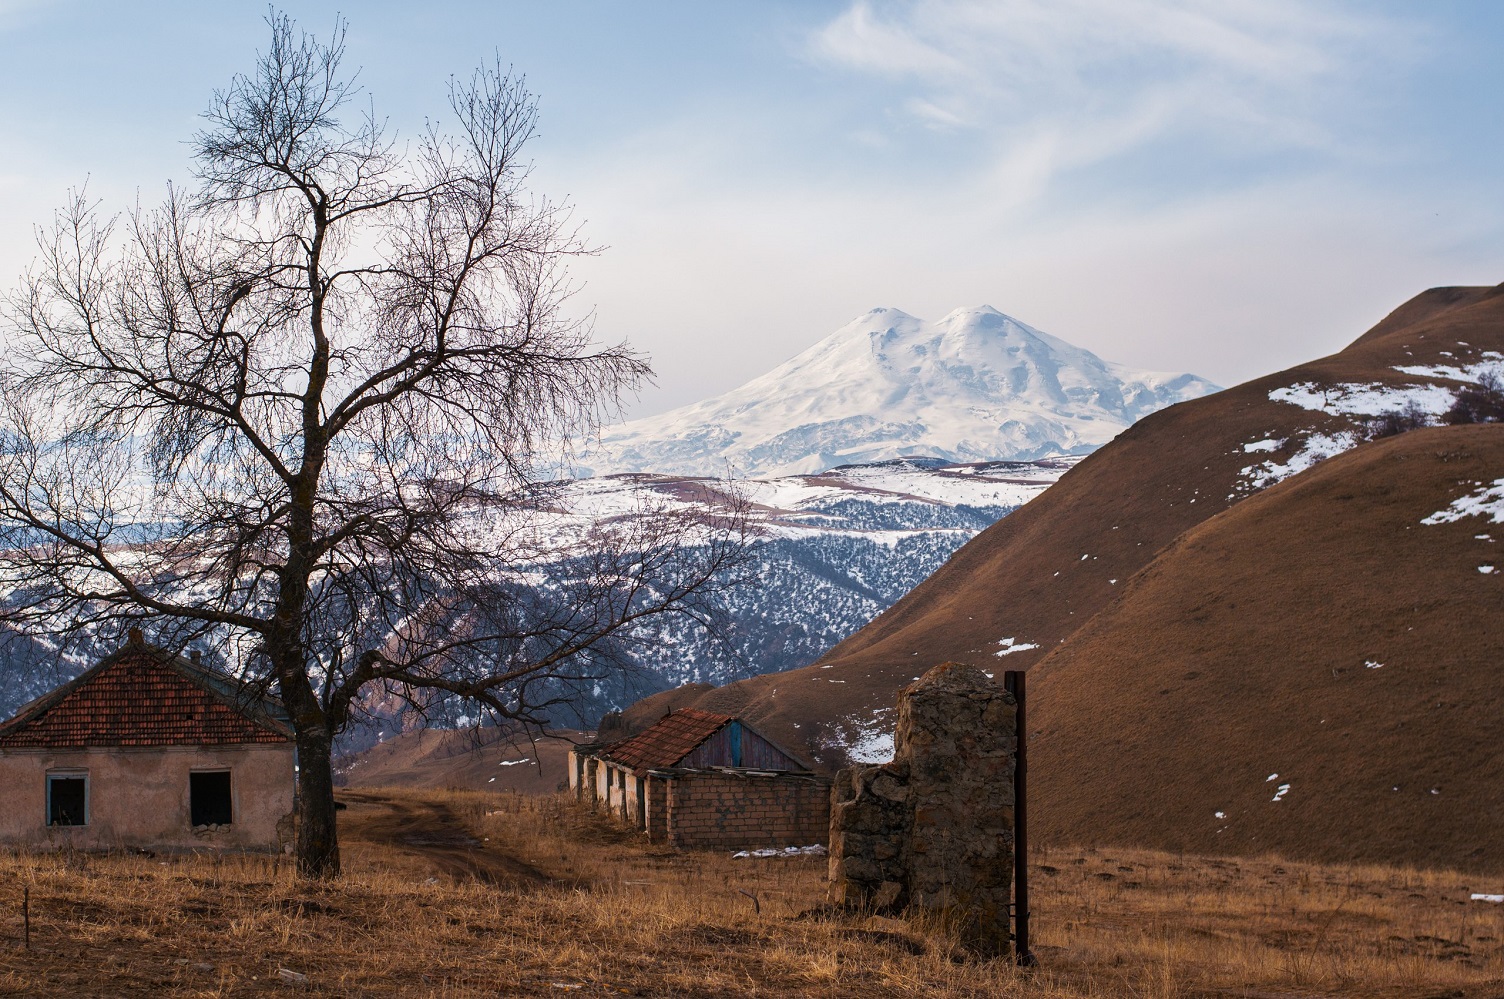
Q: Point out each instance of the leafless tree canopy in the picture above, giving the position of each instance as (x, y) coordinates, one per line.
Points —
(294, 411)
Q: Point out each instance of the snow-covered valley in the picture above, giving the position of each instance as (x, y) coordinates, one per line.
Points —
(829, 553)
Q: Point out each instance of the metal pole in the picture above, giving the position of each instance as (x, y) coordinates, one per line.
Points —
(1013, 682)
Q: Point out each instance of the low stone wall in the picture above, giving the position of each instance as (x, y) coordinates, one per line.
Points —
(732, 811)
(934, 829)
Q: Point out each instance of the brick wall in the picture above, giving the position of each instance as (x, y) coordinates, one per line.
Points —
(733, 811)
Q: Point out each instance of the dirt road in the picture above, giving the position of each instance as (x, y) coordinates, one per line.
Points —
(431, 831)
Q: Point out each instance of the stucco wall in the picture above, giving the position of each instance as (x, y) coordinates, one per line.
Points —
(656, 791)
(576, 767)
(624, 797)
(590, 769)
(616, 791)
(139, 797)
(604, 779)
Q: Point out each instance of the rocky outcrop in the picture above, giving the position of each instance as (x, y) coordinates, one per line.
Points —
(933, 830)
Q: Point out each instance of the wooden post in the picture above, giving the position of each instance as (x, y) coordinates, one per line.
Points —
(1013, 682)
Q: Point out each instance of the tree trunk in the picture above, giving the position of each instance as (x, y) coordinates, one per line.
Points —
(318, 842)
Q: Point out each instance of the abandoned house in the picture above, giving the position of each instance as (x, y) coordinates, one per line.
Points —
(148, 749)
(702, 780)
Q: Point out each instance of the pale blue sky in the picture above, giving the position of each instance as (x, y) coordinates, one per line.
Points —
(1224, 187)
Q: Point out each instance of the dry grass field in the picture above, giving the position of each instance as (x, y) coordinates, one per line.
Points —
(462, 893)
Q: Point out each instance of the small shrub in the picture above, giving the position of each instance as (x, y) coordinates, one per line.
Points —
(1398, 421)
(1480, 403)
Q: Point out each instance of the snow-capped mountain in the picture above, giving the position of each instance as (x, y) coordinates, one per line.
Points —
(975, 386)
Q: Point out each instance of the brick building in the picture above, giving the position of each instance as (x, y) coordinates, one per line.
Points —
(703, 780)
(148, 749)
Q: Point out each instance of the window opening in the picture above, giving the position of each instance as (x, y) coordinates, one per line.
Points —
(67, 800)
(209, 798)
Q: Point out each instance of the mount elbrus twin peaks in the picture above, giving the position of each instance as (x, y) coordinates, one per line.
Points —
(975, 386)
(1252, 623)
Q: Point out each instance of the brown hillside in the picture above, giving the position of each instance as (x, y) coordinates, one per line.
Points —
(1040, 574)
(1318, 631)
(484, 759)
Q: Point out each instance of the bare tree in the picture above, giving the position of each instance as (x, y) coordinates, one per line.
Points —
(293, 413)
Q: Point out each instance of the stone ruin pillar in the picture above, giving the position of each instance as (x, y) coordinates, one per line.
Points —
(933, 830)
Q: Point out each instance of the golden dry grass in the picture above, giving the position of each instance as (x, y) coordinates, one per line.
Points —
(453, 893)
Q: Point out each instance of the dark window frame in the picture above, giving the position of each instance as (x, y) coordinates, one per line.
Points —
(202, 812)
(80, 776)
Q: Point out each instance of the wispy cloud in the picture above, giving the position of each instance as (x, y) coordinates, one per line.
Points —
(1134, 68)
(932, 114)
(11, 10)
(1202, 168)
(862, 39)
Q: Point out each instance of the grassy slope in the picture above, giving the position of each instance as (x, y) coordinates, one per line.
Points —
(475, 760)
(1241, 651)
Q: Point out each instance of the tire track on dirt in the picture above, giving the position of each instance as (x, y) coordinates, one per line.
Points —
(432, 830)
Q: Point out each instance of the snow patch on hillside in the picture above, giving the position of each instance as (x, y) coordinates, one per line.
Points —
(1471, 373)
(1372, 399)
(1356, 401)
(1485, 501)
(865, 738)
(1315, 448)
(1012, 645)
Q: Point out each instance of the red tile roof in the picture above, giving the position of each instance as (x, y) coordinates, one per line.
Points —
(142, 696)
(666, 743)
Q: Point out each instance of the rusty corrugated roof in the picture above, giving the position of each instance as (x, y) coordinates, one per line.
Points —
(674, 737)
(142, 696)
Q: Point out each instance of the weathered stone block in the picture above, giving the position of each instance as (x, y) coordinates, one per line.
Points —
(933, 829)
(859, 868)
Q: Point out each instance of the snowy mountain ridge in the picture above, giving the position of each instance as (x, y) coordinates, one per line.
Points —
(975, 386)
(832, 552)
